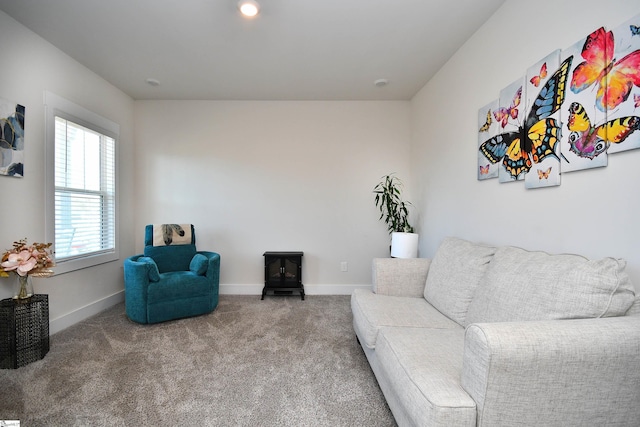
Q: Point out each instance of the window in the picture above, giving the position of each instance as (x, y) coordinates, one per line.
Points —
(81, 185)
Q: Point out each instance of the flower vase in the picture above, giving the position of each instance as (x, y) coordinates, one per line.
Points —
(24, 288)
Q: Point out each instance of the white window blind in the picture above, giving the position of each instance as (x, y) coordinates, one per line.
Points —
(84, 195)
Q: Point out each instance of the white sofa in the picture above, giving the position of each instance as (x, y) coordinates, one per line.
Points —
(485, 336)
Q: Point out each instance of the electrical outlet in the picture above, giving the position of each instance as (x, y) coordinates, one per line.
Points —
(344, 266)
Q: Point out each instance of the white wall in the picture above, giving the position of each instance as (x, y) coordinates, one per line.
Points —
(594, 212)
(252, 176)
(258, 176)
(30, 66)
(282, 175)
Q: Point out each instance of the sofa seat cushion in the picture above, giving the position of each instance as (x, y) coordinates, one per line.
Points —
(373, 311)
(177, 285)
(455, 271)
(424, 369)
(520, 285)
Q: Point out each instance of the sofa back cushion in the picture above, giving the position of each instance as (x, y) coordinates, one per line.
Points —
(454, 274)
(635, 308)
(521, 285)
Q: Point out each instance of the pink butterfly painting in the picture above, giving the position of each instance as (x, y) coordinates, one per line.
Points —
(614, 79)
(503, 113)
(535, 80)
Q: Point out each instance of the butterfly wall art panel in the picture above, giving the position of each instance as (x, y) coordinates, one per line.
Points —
(527, 140)
(499, 148)
(580, 146)
(622, 94)
(539, 101)
(487, 128)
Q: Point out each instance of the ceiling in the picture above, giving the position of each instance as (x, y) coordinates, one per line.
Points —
(293, 50)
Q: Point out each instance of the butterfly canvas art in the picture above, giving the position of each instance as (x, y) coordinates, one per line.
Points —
(509, 127)
(487, 122)
(589, 140)
(569, 112)
(613, 71)
(509, 107)
(487, 128)
(530, 140)
(536, 77)
(605, 84)
(626, 45)
(570, 160)
(544, 174)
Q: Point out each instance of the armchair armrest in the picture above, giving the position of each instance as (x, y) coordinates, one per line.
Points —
(136, 272)
(136, 284)
(554, 373)
(400, 276)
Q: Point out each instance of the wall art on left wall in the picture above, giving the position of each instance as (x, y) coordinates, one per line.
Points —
(11, 138)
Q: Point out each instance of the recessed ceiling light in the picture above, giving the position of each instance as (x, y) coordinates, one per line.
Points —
(249, 8)
(381, 82)
(153, 82)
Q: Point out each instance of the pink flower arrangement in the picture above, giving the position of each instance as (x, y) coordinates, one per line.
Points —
(25, 259)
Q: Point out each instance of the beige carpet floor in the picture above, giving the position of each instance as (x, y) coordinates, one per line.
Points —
(277, 362)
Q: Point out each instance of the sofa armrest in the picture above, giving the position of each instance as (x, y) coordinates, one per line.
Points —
(400, 276)
(554, 373)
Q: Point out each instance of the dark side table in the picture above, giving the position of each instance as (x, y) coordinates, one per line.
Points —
(24, 331)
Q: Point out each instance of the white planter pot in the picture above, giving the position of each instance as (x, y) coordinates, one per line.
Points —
(404, 245)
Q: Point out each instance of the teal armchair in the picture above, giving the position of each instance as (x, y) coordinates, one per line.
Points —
(171, 280)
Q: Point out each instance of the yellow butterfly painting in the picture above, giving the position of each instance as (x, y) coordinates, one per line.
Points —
(544, 174)
(589, 141)
(487, 124)
(536, 139)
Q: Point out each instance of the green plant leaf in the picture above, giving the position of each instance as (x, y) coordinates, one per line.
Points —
(393, 210)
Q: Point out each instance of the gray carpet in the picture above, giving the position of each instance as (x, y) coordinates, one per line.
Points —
(277, 362)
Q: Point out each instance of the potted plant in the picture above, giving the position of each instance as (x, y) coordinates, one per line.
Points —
(395, 213)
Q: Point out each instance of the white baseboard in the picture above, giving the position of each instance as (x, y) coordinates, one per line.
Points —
(64, 321)
(230, 289)
(227, 289)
